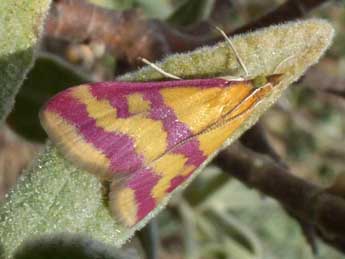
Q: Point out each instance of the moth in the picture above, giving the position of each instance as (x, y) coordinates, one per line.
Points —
(147, 138)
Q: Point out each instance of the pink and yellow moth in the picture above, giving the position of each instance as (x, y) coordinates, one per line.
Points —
(147, 138)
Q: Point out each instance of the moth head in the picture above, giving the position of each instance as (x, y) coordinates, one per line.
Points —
(262, 80)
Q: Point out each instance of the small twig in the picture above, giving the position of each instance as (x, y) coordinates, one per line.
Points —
(306, 201)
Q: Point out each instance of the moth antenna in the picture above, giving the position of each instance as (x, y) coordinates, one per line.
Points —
(234, 50)
(144, 60)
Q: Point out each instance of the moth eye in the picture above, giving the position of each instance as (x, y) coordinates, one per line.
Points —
(259, 81)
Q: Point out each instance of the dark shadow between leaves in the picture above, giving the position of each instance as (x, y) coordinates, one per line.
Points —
(67, 246)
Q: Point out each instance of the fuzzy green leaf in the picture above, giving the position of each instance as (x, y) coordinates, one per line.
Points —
(54, 196)
(21, 23)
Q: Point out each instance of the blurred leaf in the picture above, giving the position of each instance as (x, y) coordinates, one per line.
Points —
(243, 242)
(277, 236)
(155, 8)
(48, 77)
(191, 11)
(152, 8)
(20, 28)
